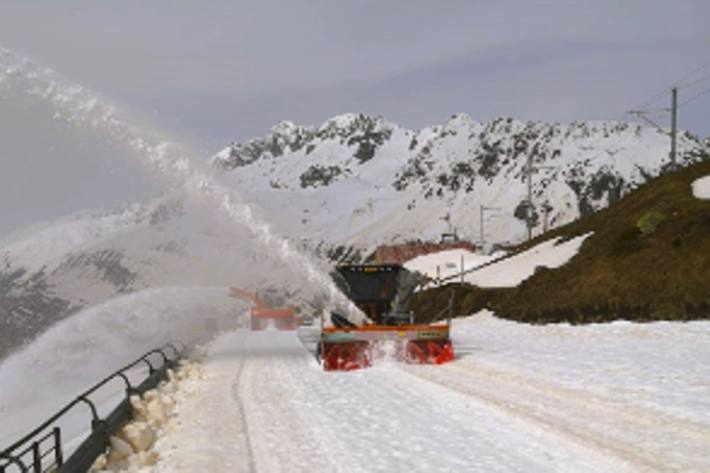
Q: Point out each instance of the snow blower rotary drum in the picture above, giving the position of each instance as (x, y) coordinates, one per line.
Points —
(381, 292)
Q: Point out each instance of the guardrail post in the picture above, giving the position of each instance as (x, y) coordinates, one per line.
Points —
(58, 453)
(151, 370)
(36, 458)
(166, 360)
(129, 387)
(175, 350)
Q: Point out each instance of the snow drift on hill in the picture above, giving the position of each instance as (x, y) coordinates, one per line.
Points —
(510, 272)
(496, 270)
(701, 188)
(447, 263)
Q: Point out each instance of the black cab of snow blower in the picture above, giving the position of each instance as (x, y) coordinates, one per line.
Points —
(382, 293)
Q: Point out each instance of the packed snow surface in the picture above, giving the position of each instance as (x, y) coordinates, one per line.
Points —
(614, 397)
(701, 188)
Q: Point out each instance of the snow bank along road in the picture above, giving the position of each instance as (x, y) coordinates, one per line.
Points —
(616, 397)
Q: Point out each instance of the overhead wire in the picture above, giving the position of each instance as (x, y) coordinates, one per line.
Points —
(695, 82)
(698, 95)
(658, 112)
(693, 72)
(654, 99)
(680, 83)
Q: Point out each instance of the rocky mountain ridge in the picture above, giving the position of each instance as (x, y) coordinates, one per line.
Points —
(361, 181)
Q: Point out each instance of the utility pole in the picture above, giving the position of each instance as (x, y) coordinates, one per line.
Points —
(483, 209)
(674, 125)
(529, 171)
(528, 211)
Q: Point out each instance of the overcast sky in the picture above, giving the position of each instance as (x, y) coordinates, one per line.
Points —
(211, 72)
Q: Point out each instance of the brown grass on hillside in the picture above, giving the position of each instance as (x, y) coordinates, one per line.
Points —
(648, 259)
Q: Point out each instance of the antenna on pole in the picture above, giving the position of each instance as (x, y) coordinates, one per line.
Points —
(673, 133)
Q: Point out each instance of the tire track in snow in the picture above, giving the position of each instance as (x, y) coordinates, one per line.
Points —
(240, 407)
(300, 418)
(379, 419)
(266, 406)
(641, 438)
(193, 441)
(283, 435)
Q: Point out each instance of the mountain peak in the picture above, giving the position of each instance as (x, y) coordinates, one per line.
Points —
(285, 127)
(360, 178)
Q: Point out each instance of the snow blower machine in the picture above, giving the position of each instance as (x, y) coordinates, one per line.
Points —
(268, 309)
(381, 292)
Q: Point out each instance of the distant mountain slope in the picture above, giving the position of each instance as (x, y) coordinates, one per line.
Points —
(648, 258)
(362, 181)
(51, 271)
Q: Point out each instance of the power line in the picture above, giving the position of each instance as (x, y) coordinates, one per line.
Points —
(680, 83)
(654, 99)
(693, 72)
(695, 82)
(698, 95)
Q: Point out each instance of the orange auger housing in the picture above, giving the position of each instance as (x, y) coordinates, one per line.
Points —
(263, 312)
(345, 349)
(381, 291)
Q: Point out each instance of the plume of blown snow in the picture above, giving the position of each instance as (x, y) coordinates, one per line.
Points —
(87, 110)
(77, 352)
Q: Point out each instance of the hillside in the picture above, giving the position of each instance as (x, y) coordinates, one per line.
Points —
(648, 258)
(360, 181)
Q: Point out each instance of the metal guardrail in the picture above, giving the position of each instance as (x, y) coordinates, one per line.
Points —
(41, 451)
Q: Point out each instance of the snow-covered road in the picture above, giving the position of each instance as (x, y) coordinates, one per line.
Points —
(619, 397)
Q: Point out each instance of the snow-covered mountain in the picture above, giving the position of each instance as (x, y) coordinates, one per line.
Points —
(359, 181)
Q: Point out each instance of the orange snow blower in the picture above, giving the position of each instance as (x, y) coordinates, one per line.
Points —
(268, 309)
(381, 293)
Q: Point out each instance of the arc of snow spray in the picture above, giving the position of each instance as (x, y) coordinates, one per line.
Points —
(82, 107)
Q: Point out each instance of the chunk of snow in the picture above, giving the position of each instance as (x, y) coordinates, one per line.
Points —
(510, 272)
(701, 188)
(140, 435)
(149, 458)
(132, 449)
(120, 449)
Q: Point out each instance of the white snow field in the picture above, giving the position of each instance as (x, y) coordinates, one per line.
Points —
(447, 263)
(510, 272)
(701, 188)
(495, 270)
(614, 397)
